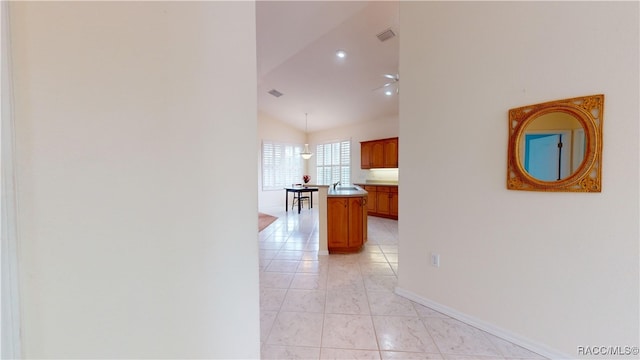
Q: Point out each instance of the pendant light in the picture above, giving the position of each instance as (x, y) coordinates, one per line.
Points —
(306, 154)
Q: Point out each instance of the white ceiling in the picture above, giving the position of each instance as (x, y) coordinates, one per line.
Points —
(296, 46)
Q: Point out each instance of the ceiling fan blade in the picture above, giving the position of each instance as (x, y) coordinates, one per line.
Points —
(392, 77)
(383, 86)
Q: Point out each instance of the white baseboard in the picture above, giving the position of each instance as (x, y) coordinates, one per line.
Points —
(323, 252)
(528, 344)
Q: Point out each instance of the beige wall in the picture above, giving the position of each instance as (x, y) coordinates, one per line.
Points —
(122, 236)
(10, 315)
(574, 281)
(130, 244)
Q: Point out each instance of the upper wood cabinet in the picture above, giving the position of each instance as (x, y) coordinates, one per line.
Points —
(377, 154)
(381, 153)
(365, 155)
(390, 153)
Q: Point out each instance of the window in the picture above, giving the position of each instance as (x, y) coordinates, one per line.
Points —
(281, 165)
(333, 162)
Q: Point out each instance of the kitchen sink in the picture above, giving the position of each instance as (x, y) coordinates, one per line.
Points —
(352, 188)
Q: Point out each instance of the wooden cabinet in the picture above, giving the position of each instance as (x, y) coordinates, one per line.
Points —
(373, 197)
(390, 159)
(379, 154)
(346, 223)
(364, 212)
(383, 200)
(365, 155)
(337, 223)
(393, 202)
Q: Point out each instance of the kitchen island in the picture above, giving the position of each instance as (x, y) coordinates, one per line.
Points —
(346, 218)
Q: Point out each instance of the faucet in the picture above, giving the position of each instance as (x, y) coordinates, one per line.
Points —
(335, 184)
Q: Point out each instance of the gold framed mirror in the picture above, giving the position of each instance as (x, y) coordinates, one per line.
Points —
(556, 146)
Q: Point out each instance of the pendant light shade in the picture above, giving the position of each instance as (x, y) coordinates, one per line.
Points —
(306, 154)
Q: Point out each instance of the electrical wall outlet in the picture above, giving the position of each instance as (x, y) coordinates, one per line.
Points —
(435, 260)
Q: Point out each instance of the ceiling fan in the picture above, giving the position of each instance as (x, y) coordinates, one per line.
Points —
(392, 79)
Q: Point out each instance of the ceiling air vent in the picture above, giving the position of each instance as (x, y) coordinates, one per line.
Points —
(386, 35)
(275, 93)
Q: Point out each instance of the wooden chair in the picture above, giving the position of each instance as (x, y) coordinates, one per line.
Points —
(297, 197)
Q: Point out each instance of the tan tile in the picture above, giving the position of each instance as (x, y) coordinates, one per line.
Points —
(306, 281)
(375, 282)
(311, 301)
(349, 332)
(271, 299)
(402, 333)
(347, 354)
(457, 338)
(330, 299)
(341, 301)
(289, 352)
(427, 312)
(512, 351)
(398, 355)
(387, 303)
(296, 329)
(275, 280)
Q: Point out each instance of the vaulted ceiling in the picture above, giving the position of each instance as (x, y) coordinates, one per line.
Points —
(296, 54)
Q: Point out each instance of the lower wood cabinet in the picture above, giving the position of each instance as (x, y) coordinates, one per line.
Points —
(383, 200)
(393, 202)
(346, 223)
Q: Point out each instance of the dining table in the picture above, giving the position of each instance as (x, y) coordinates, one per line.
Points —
(297, 190)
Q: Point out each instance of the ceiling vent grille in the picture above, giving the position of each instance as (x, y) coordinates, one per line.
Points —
(275, 93)
(386, 35)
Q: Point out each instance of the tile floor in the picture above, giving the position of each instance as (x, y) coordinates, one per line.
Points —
(344, 306)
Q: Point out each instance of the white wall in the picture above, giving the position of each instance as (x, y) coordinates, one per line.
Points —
(10, 316)
(371, 130)
(572, 281)
(132, 242)
(274, 130)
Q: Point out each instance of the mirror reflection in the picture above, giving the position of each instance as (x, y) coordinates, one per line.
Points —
(552, 146)
(556, 145)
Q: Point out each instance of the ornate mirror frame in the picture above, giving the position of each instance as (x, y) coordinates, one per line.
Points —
(588, 110)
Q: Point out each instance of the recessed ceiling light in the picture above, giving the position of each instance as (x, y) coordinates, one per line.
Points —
(388, 92)
(341, 54)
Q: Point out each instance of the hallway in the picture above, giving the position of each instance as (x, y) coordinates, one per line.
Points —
(344, 306)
